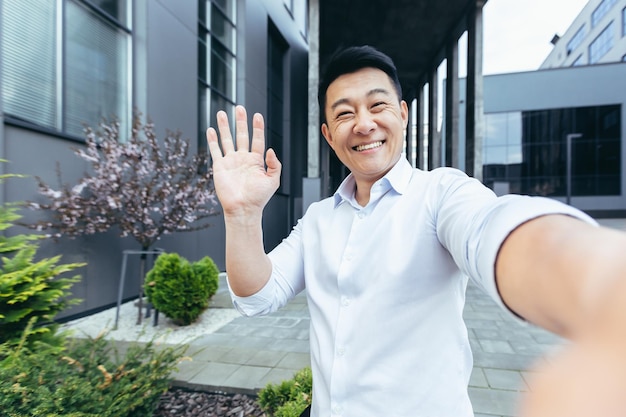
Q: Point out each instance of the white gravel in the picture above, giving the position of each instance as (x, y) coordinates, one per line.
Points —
(165, 331)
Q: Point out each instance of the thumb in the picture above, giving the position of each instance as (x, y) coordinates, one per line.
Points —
(273, 164)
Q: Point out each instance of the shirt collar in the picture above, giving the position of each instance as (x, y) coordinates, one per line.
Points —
(397, 178)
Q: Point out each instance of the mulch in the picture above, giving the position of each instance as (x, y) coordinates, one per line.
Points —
(183, 403)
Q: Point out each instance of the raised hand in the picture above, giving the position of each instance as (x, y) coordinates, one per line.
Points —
(242, 183)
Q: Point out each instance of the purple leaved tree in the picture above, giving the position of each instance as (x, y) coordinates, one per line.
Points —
(145, 189)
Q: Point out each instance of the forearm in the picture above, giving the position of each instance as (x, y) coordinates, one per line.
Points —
(565, 275)
(247, 265)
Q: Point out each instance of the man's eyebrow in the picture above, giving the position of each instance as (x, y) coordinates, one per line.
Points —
(369, 93)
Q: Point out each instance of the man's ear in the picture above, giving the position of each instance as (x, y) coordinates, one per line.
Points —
(404, 111)
(327, 135)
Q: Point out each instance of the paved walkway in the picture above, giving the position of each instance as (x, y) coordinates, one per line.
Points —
(246, 354)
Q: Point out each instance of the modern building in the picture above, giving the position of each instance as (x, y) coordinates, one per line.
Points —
(64, 63)
(597, 35)
(530, 117)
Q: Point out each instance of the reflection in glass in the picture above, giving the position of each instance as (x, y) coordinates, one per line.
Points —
(527, 151)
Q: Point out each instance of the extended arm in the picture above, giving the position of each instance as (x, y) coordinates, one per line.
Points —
(244, 186)
(564, 275)
(570, 277)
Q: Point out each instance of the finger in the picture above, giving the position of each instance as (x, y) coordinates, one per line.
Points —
(273, 164)
(241, 122)
(225, 135)
(212, 142)
(258, 134)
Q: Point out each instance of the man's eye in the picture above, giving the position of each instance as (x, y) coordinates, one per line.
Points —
(378, 104)
(343, 114)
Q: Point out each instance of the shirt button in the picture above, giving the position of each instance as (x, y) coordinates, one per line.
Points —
(341, 351)
(337, 409)
(361, 215)
(345, 301)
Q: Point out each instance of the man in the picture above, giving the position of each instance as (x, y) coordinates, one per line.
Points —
(385, 261)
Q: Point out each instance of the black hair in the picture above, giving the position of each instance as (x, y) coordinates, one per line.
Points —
(352, 59)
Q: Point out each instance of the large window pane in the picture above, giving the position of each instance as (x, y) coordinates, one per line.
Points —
(96, 82)
(29, 74)
(117, 9)
(222, 71)
(601, 45)
(222, 29)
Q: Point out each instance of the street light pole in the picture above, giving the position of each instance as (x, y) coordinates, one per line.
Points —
(568, 161)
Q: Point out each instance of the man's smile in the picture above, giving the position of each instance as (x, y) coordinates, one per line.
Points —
(368, 146)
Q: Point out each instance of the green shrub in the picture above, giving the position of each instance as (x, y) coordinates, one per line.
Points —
(179, 289)
(31, 291)
(87, 379)
(290, 397)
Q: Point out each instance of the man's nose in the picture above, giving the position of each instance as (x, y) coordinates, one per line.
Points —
(364, 123)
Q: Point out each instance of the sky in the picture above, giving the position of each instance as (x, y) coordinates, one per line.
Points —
(517, 33)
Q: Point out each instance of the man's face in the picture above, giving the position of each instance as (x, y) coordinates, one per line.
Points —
(365, 123)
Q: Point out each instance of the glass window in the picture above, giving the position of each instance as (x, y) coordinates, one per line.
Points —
(601, 45)
(624, 21)
(52, 64)
(96, 67)
(601, 11)
(578, 61)
(29, 60)
(576, 40)
(117, 9)
(538, 167)
(217, 44)
(223, 29)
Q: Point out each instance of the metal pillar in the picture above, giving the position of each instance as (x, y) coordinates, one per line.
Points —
(434, 139)
(452, 104)
(474, 99)
(419, 126)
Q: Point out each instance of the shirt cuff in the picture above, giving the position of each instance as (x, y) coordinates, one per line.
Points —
(255, 304)
(514, 211)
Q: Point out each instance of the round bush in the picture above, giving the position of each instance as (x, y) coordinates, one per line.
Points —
(179, 289)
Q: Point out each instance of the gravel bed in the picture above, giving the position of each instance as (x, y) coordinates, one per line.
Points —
(183, 403)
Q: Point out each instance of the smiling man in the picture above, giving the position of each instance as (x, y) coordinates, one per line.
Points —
(385, 261)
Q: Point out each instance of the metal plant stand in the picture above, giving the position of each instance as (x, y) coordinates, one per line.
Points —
(142, 273)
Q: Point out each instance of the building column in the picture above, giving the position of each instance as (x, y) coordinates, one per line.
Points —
(312, 183)
(434, 139)
(452, 104)
(474, 99)
(419, 126)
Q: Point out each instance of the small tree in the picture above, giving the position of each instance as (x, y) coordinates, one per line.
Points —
(144, 189)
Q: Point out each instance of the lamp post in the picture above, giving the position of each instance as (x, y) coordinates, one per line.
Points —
(568, 161)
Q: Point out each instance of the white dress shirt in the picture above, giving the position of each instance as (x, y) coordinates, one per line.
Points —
(386, 288)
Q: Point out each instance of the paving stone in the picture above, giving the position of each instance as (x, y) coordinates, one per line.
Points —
(248, 377)
(238, 355)
(496, 346)
(266, 358)
(214, 374)
(505, 379)
(294, 360)
(494, 402)
(477, 378)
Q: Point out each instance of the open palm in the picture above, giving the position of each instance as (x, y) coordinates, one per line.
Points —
(242, 182)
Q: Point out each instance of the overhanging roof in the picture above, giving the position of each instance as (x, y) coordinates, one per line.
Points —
(413, 33)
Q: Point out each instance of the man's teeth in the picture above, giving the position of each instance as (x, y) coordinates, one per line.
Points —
(369, 146)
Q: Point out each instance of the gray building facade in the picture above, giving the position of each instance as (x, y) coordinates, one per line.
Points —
(69, 62)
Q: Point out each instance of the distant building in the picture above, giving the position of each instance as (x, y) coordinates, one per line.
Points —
(596, 36)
